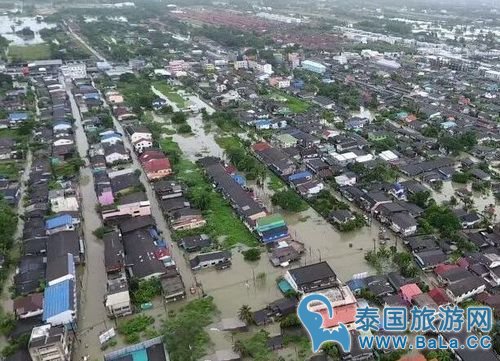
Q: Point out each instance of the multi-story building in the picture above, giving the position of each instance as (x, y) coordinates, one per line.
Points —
(74, 71)
(49, 343)
(320, 278)
(118, 297)
(313, 66)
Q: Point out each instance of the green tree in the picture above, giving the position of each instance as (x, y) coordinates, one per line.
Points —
(179, 118)
(252, 254)
(421, 199)
(245, 314)
(288, 200)
(239, 348)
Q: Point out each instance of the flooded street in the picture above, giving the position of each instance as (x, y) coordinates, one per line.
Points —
(199, 145)
(9, 25)
(92, 318)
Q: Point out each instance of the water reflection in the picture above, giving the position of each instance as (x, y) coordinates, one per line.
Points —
(9, 26)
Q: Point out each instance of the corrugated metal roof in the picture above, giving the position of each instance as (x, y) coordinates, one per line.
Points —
(58, 221)
(58, 298)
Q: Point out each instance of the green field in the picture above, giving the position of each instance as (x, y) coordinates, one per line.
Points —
(170, 93)
(29, 52)
(295, 104)
(220, 217)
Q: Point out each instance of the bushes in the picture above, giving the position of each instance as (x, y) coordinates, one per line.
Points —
(101, 231)
(132, 328)
(460, 177)
(185, 335)
(252, 254)
(290, 201)
(145, 291)
(179, 118)
(184, 129)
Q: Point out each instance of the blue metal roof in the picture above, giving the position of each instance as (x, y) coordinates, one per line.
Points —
(58, 221)
(300, 175)
(274, 234)
(58, 298)
(18, 116)
(263, 122)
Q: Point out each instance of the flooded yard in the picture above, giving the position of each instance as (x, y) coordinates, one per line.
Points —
(10, 25)
(480, 200)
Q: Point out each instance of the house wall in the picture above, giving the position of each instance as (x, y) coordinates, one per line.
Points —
(116, 157)
(137, 136)
(31, 314)
(133, 209)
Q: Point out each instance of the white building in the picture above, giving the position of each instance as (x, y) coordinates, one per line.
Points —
(313, 66)
(74, 71)
(49, 343)
(118, 298)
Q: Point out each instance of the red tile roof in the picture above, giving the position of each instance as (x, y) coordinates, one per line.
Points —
(439, 296)
(442, 268)
(409, 291)
(155, 165)
(342, 314)
(259, 147)
(149, 155)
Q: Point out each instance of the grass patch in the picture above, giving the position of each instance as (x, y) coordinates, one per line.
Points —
(29, 52)
(185, 334)
(170, 93)
(220, 217)
(10, 170)
(274, 183)
(295, 104)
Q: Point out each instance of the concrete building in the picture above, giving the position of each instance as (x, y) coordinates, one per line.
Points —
(74, 71)
(49, 343)
(313, 66)
(118, 297)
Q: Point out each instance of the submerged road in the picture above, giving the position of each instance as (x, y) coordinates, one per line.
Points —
(92, 318)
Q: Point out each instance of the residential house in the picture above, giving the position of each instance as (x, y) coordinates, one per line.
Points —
(130, 205)
(60, 269)
(167, 189)
(116, 153)
(409, 292)
(49, 342)
(140, 255)
(195, 243)
(403, 223)
(117, 299)
(465, 289)
(138, 132)
(59, 306)
(114, 253)
(187, 218)
(28, 306)
(110, 138)
(210, 259)
(341, 216)
(60, 223)
(140, 145)
(312, 278)
(155, 164)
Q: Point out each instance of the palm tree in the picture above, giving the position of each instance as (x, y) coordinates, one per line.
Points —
(245, 314)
